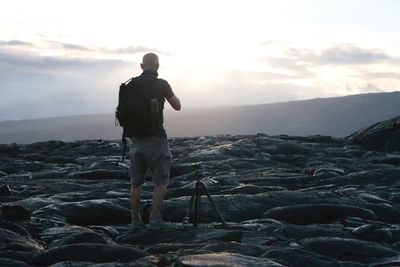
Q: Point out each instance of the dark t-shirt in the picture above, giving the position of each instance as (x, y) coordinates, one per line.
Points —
(161, 89)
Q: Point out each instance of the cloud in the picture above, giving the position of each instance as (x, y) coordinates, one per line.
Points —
(37, 86)
(15, 43)
(364, 89)
(382, 75)
(57, 45)
(275, 43)
(349, 54)
(68, 46)
(297, 68)
(134, 50)
(343, 54)
(299, 60)
(20, 64)
(121, 50)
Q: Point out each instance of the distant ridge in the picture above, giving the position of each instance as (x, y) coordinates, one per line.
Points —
(337, 116)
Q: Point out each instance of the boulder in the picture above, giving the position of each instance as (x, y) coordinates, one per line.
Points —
(87, 212)
(99, 253)
(297, 257)
(316, 213)
(15, 212)
(223, 259)
(348, 249)
(381, 136)
(100, 174)
(12, 241)
(83, 237)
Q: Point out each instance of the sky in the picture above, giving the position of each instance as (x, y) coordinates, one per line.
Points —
(68, 57)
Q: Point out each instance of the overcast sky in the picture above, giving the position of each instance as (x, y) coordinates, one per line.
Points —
(68, 57)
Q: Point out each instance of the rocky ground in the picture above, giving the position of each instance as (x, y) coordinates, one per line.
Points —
(287, 201)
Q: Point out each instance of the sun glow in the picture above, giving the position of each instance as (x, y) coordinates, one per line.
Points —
(276, 50)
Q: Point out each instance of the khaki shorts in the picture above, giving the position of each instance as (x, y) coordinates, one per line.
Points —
(150, 153)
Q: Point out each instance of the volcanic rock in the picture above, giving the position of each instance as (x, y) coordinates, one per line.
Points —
(286, 201)
(15, 213)
(381, 136)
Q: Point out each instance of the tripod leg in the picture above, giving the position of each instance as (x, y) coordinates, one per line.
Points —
(190, 208)
(213, 204)
(197, 205)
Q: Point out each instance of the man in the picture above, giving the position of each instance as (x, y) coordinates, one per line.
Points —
(151, 152)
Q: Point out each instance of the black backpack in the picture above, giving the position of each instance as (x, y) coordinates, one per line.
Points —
(138, 111)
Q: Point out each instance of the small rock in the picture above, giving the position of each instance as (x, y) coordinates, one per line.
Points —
(328, 172)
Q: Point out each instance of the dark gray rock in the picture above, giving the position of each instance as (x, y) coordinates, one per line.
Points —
(13, 241)
(348, 249)
(15, 212)
(60, 159)
(44, 147)
(317, 213)
(318, 180)
(298, 232)
(235, 247)
(371, 233)
(5, 190)
(83, 237)
(52, 234)
(164, 248)
(99, 253)
(25, 257)
(180, 169)
(7, 262)
(381, 136)
(297, 257)
(14, 227)
(179, 236)
(387, 159)
(100, 174)
(9, 148)
(34, 156)
(148, 261)
(49, 175)
(96, 212)
(385, 212)
(223, 259)
(244, 189)
(328, 172)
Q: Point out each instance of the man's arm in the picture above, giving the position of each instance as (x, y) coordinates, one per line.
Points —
(174, 102)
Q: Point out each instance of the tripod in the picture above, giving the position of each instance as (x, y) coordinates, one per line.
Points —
(195, 202)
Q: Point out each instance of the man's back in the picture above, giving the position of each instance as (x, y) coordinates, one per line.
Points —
(152, 152)
(158, 88)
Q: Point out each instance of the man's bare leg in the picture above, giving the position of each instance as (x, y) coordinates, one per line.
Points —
(135, 197)
(158, 197)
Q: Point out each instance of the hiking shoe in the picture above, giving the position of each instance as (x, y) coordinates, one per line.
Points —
(159, 224)
(137, 224)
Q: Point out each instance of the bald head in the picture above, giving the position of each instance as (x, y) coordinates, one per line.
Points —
(150, 62)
